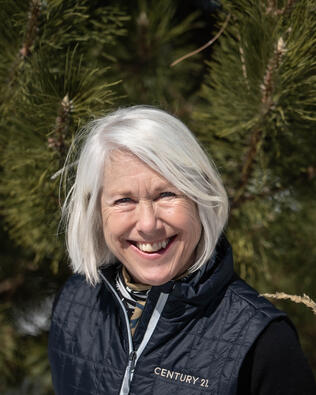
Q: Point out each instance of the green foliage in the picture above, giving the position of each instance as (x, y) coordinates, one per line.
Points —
(250, 99)
(156, 37)
(12, 16)
(257, 118)
(60, 86)
(257, 121)
(53, 78)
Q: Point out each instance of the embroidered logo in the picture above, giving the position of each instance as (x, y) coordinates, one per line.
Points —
(181, 377)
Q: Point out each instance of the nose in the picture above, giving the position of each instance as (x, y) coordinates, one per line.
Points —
(147, 221)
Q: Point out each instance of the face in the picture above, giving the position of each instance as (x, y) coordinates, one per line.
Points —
(148, 224)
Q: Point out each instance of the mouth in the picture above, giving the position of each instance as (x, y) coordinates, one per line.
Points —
(153, 247)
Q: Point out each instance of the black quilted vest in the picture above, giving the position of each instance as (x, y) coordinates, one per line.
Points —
(205, 329)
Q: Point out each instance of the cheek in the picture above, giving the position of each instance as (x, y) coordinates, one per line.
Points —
(193, 230)
(186, 218)
(114, 225)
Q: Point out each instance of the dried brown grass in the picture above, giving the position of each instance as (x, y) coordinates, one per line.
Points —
(305, 299)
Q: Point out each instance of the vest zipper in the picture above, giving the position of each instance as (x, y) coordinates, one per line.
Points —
(133, 355)
(132, 360)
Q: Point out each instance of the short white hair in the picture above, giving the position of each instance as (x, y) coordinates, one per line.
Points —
(165, 144)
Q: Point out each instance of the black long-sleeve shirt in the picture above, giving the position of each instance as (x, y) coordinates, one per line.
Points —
(276, 365)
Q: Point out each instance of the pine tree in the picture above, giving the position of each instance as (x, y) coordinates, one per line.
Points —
(258, 120)
(54, 77)
(249, 97)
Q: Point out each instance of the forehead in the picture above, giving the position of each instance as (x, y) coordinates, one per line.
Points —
(123, 169)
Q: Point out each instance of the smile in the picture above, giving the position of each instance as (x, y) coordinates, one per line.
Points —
(152, 246)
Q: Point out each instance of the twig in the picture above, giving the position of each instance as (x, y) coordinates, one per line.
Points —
(267, 87)
(305, 299)
(62, 125)
(31, 30)
(23, 53)
(243, 61)
(248, 165)
(188, 55)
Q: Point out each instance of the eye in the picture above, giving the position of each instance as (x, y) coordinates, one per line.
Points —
(166, 195)
(123, 201)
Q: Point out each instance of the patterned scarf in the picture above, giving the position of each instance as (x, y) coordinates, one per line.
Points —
(133, 295)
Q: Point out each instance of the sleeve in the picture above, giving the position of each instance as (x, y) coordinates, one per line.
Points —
(276, 365)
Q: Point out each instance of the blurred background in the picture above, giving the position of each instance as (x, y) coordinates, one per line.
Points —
(249, 96)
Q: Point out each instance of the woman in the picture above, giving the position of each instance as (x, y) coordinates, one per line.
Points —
(155, 306)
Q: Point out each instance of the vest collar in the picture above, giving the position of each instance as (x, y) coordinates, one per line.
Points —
(208, 284)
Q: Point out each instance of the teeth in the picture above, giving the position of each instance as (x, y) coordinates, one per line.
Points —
(152, 247)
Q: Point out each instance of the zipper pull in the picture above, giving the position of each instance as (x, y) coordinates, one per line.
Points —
(132, 358)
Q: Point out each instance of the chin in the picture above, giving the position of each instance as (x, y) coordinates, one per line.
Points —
(153, 279)
(157, 282)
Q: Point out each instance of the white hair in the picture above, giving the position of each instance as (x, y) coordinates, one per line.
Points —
(165, 144)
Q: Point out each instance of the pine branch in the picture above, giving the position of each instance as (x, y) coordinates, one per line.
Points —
(248, 165)
(60, 88)
(24, 52)
(62, 126)
(31, 29)
(267, 87)
(304, 176)
(29, 37)
(267, 103)
(174, 63)
(305, 299)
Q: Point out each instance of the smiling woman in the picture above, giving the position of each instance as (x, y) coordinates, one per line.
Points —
(151, 227)
(175, 159)
(155, 306)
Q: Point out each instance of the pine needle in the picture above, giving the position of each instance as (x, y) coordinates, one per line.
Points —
(305, 299)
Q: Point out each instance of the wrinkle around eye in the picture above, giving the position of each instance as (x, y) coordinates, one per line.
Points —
(123, 201)
(166, 195)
